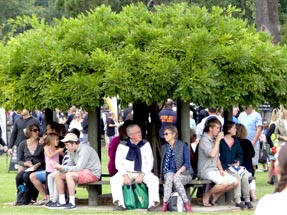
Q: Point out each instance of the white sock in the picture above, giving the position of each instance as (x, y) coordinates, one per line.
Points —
(62, 199)
(72, 200)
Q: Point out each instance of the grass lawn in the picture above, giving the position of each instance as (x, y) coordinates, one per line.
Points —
(8, 195)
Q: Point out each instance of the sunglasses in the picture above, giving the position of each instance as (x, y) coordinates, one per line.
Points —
(35, 130)
(165, 134)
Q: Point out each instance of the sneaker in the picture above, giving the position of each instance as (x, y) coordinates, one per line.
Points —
(57, 205)
(151, 209)
(241, 205)
(48, 203)
(249, 205)
(51, 204)
(70, 206)
(119, 208)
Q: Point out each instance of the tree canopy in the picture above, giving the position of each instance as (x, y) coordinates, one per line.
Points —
(179, 51)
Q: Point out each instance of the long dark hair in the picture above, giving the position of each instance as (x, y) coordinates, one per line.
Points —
(227, 126)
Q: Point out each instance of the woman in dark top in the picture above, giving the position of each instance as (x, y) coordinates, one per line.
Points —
(246, 146)
(231, 157)
(248, 154)
(30, 158)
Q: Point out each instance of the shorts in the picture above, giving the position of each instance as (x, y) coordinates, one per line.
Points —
(86, 176)
(217, 178)
(41, 176)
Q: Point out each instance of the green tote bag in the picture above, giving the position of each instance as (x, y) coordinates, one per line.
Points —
(129, 197)
(141, 196)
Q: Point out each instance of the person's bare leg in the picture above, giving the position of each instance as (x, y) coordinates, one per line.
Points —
(270, 171)
(38, 185)
(60, 179)
(221, 190)
(216, 191)
(71, 179)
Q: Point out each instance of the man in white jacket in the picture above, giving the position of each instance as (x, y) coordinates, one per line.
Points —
(134, 162)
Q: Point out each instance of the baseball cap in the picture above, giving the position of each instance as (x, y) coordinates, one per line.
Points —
(70, 137)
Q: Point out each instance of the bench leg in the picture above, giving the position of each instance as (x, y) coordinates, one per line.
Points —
(187, 191)
(93, 192)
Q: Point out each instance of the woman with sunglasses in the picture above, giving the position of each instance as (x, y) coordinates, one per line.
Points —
(175, 167)
(30, 158)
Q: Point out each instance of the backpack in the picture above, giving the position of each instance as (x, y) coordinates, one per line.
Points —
(175, 203)
(22, 196)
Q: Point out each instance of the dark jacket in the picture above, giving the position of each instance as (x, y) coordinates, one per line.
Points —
(248, 154)
(229, 155)
(24, 155)
(85, 124)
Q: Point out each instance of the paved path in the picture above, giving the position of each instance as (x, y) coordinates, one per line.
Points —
(195, 207)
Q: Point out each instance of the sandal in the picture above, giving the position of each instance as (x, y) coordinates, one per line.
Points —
(42, 202)
(204, 204)
(32, 202)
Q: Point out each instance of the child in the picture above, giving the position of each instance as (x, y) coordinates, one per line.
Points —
(52, 152)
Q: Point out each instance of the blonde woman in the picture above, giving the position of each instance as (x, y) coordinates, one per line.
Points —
(281, 128)
(270, 132)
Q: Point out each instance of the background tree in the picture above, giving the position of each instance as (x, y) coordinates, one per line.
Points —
(267, 18)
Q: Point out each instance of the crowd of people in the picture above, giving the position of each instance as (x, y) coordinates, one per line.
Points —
(52, 161)
(52, 157)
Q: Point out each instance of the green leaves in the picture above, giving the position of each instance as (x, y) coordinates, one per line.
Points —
(178, 51)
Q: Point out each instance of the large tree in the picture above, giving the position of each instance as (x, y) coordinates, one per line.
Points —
(142, 56)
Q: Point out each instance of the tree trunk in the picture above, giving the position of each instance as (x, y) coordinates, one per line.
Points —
(228, 114)
(153, 135)
(183, 121)
(267, 18)
(94, 133)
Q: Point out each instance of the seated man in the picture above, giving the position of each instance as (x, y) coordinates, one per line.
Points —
(84, 167)
(134, 162)
(209, 166)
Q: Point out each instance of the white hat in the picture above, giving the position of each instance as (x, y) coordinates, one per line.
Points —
(70, 137)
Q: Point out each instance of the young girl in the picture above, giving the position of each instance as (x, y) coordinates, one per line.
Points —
(52, 153)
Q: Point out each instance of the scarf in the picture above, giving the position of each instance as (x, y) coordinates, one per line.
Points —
(134, 154)
(168, 156)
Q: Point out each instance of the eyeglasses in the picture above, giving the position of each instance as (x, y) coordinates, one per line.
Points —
(35, 130)
(137, 132)
(165, 134)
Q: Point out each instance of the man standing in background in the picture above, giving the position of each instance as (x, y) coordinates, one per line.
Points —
(20, 124)
(167, 117)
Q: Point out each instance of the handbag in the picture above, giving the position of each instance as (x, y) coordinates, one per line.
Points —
(141, 196)
(175, 203)
(129, 198)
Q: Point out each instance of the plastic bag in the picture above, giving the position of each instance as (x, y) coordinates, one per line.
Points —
(129, 198)
(141, 196)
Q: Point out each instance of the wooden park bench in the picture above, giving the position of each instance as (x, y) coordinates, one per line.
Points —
(94, 188)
